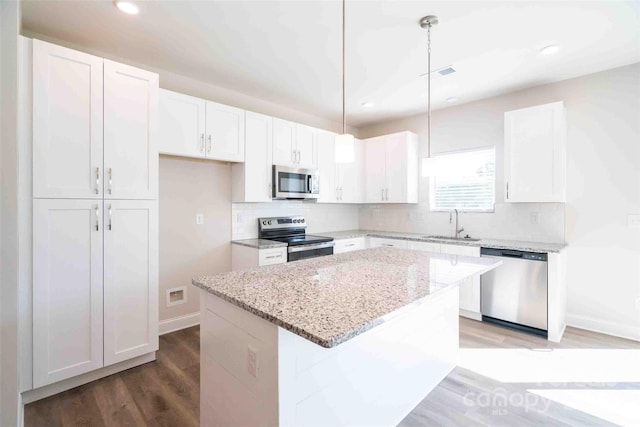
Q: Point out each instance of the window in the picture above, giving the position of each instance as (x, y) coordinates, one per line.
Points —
(464, 180)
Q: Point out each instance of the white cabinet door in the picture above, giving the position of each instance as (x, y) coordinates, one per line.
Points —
(425, 246)
(329, 192)
(272, 256)
(284, 143)
(470, 289)
(181, 125)
(225, 132)
(67, 123)
(130, 279)
(130, 137)
(349, 177)
(375, 169)
(67, 289)
(534, 154)
(251, 180)
(396, 168)
(306, 147)
(349, 245)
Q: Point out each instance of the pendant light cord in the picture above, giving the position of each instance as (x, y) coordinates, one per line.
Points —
(344, 116)
(429, 91)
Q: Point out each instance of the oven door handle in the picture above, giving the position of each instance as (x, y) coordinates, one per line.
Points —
(302, 248)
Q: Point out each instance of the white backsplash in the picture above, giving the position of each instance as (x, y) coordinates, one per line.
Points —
(320, 217)
(510, 221)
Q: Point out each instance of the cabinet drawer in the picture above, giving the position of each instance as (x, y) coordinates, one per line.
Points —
(272, 256)
(460, 250)
(425, 246)
(348, 245)
(376, 242)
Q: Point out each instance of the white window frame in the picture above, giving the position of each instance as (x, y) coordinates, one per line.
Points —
(432, 182)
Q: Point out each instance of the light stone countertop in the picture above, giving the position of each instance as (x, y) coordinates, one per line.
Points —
(259, 243)
(485, 243)
(329, 300)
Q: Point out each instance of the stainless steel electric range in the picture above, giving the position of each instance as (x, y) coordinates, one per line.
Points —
(292, 230)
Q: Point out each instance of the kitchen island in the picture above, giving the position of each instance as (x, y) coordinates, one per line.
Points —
(352, 339)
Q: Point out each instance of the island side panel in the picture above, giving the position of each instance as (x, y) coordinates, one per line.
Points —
(230, 394)
(556, 297)
(374, 379)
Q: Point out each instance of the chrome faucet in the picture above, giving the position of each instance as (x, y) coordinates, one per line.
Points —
(457, 230)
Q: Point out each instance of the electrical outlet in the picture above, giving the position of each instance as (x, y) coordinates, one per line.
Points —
(535, 217)
(252, 361)
(199, 219)
(633, 220)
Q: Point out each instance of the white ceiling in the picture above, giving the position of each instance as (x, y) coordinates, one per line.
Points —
(288, 52)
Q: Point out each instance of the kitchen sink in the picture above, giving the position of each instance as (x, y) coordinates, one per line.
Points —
(453, 239)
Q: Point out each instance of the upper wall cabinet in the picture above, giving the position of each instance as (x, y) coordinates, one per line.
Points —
(194, 127)
(251, 180)
(391, 168)
(130, 128)
(294, 145)
(534, 154)
(94, 127)
(67, 123)
(339, 182)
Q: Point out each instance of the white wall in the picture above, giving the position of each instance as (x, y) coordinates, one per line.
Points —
(10, 405)
(603, 187)
(320, 217)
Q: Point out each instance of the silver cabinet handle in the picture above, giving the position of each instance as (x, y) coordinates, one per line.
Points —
(97, 217)
(299, 157)
(340, 193)
(209, 144)
(507, 190)
(274, 256)
(293, 156)
(350, 244)
(382, 194)
(386, 195)
(109, 226)
(97, 180)
(386, 244)
(202, 142)
(110, 180)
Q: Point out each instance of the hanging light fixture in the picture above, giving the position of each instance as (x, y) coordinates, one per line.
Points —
(428, 166)
(345, 142)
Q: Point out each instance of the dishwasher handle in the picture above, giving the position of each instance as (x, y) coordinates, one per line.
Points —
(510, 253)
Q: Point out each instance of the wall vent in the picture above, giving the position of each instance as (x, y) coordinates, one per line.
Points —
(176, 296)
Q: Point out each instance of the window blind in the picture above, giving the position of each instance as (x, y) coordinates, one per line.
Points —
(464, 180)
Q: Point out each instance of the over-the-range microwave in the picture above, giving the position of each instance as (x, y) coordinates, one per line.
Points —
(295, 183)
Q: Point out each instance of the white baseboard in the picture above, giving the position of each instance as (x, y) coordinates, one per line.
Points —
(176, 323)
(604, 327)
(64, 385)
(471, 315)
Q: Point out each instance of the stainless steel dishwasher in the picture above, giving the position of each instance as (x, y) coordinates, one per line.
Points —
(515, 293)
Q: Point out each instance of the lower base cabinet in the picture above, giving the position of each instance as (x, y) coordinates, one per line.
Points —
(246, 257)
(349, 245)
(95, 285)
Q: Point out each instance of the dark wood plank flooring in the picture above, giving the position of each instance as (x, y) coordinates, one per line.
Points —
(166, 392)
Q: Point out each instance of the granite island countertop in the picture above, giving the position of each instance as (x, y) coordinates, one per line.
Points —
(484, 243)
(329, 300)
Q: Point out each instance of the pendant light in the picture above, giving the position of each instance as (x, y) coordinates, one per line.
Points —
(345, 142)
(428, 166)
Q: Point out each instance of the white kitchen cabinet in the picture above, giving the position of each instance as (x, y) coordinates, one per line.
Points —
(470, 289)
(243, 257)
(67, 289)
(349, 177)
(339, 182)
(225, 132)
(130, 132)
(391, 168)
(251, 180)
(424, 246)
(294, 145)
(130, 279)
(534, 154)
(377, 242)
(349, 245)
(182, 123)
(67, 123)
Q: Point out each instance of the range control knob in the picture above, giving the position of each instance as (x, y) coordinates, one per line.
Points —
(269, 222)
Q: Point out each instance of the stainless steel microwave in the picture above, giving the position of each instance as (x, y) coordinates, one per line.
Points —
(294, 183)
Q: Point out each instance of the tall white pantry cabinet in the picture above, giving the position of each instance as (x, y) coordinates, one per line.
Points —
(95, 213)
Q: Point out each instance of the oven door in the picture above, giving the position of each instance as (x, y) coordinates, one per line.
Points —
(292, 183)
(295, 253)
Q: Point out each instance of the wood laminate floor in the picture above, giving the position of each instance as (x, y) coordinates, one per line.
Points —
(500, 381)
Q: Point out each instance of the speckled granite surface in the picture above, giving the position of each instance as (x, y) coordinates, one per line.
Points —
(486, 243)
(329, 300)
(259, 243)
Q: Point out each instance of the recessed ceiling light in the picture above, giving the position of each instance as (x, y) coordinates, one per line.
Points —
(550, 50)
(453, 99)
(368, 105)
(127, 7)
